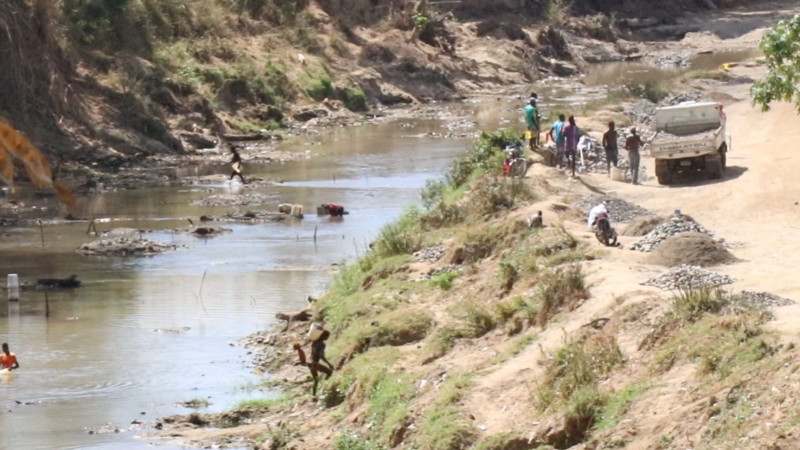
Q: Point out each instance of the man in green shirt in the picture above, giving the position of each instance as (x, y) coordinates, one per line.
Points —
(532, 120)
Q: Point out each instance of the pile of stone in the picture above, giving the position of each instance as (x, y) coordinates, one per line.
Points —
(619, 210)
(249, 217)
(759, 300)
(124, 246)
(676, 225)
(429, 254)
(688, 277)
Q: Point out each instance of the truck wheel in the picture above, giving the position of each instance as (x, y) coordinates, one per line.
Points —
(664, 179)
(714, 169)
(663, 172)
(723, 157)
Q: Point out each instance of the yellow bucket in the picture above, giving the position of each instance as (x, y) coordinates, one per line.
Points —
(528, 134)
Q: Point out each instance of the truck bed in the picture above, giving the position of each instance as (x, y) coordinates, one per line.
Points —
(668, 138)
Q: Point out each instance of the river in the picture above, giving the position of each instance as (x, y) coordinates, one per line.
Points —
(143, 334)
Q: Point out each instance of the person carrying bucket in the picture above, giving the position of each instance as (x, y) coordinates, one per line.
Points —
(317, 334)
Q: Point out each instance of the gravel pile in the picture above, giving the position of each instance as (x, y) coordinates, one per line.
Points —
(688, 277)
(643, 111)
(247, 217)
(665, 137)
(619, 210)
(676, 225)
(430, 254)
(759, 300)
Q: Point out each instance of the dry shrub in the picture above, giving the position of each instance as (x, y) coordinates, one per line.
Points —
(695, 249)
(563, 289)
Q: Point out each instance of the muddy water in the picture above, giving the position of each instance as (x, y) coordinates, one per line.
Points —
(143, 334)
(621, 73)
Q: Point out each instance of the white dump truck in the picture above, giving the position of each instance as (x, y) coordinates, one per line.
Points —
(690, 138)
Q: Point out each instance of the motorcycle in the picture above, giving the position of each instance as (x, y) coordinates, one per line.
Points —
(604, 232)
(515, 165)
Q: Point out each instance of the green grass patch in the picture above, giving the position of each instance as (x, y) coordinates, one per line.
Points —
(365, 371)
(617, 404)
(719, 345)
(575, 367)
(389, 406)
(392, 328)
(477, 317)
(260, 403)
(444, 425)
(563, 288)
(444, 280)
(346, 441)
(443, 340)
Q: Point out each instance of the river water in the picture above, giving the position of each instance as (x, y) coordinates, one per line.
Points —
(143, 334)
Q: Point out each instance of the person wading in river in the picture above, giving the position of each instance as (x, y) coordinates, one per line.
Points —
(610, 145)
(8, 360)
(236, 165)
(632, 144)
(317, 355)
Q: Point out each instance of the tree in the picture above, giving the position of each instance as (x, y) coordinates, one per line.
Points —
(782, 49)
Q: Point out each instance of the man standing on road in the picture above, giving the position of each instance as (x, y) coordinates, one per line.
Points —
(632, 144)
(610, 145)
(532, 120)
(556, 134)
(571, 135)
(8, 360)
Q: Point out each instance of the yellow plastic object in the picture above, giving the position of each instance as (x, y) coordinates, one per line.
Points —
(528, 134)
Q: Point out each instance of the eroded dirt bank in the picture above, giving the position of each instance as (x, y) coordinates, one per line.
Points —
(150, 85)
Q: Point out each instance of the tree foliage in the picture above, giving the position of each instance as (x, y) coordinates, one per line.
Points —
(782, 49)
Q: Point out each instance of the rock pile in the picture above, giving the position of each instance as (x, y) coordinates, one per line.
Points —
(676, 225)
(433, 272)
(619, 210)
(247, 217)
(759, 300)
(688, 277)
(124, 246)
(430, 254)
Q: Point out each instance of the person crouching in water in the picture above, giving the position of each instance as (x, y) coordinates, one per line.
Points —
(236, 165)
(8, 360)
(317, 355)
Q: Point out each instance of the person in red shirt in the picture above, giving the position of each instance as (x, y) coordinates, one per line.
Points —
(8, 360)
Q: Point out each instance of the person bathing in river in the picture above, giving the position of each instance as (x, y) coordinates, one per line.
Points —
(236, 165)
(317, 355)
(8, 360)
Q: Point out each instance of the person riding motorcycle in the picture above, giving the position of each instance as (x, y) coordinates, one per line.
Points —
(597, 214)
